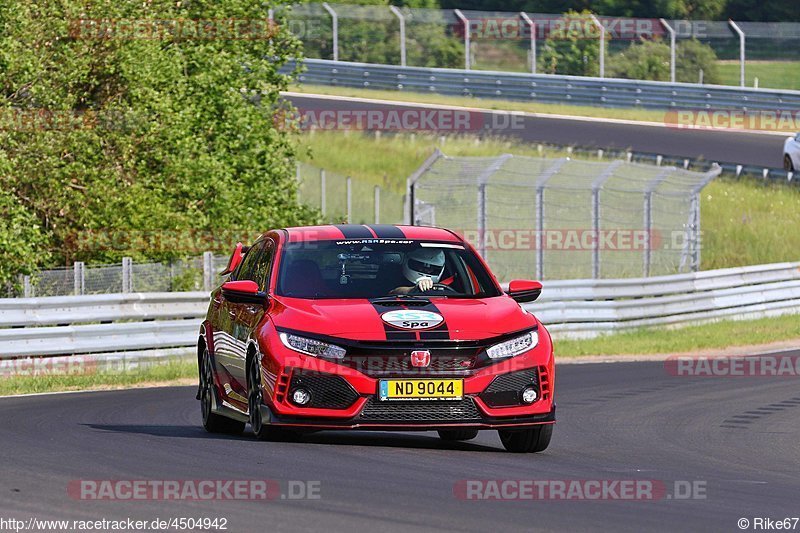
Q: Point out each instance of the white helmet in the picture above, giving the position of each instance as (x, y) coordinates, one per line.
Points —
(424, 262)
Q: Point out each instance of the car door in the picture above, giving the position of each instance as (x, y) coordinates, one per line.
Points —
(246, 316)
(230, 342)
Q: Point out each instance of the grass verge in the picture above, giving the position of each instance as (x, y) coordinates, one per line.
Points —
(744, 222)
(770, 74)
(178, 372)
(717, 335)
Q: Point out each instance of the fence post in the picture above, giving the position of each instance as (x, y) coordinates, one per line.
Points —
(671, 32)
(349, 182)
(377, 205)
(323, 192)
(482, 218)
(740, 33)
(402, 20)
(409, 215)
(127, 274)
(648, 225)
(208, 271)
(541, 182)
(597, 185)
(78, 278)
(532, 27)
(602, 45)
(463, 19)
(648, 218)
(483, 180)
(335, 27)
(27, 288)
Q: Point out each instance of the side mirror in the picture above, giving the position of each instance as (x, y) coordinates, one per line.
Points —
(236, 258)
(243, 292)
(524, 291)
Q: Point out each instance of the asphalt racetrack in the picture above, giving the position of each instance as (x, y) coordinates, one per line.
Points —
(738, 439)
(737, 147)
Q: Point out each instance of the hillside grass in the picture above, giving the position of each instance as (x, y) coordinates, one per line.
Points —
(770, 74)
(744, 221)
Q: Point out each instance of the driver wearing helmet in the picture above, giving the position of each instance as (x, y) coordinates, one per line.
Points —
(424, 268)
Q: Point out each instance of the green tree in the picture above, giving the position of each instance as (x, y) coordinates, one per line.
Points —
(693, 56)
(646, 60)
(127, 133)
(763, 10)
(575, 51)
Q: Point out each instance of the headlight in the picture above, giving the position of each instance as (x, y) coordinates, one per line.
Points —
(515, 346)
(312, 346)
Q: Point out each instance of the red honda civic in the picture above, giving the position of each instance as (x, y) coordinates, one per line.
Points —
(374, 327)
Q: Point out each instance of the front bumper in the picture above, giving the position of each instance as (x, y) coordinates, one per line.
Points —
(360, 422)
(344, 397)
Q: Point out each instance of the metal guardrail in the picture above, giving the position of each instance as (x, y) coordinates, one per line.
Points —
(144, 327)
(588, 308)
(101, 324)
(602, 92)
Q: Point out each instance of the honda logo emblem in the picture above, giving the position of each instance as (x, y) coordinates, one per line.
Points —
(420, 358)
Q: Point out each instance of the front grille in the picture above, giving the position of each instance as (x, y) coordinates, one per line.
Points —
(505, 389)
(420, 411)
(327, 391)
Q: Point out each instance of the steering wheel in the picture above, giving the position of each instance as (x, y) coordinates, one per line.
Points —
(437, 287)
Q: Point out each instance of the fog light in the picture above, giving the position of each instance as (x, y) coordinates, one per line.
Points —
(529, 395)
(301, 396)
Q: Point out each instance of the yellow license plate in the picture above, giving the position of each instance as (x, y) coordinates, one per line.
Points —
(421, 389)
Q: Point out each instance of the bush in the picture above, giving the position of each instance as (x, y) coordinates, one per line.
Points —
(691, 57)
(138, 134)
(646, 60)
(571, 52)
(649, 60)
(23, 245)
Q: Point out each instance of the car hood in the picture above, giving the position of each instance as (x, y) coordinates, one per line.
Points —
(361, 319)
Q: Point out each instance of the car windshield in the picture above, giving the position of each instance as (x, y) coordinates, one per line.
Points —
(375, 268)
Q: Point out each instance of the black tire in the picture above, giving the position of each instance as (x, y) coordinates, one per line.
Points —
(457, 434)
(254, 401)
(531, 440)
(788, 166)
(213, 422)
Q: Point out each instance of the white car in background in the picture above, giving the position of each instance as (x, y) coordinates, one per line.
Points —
(791, 153)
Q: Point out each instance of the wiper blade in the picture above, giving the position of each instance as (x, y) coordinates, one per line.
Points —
(405, 298)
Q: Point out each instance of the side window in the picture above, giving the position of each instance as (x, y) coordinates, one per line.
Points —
(264, 266)
(247, 268)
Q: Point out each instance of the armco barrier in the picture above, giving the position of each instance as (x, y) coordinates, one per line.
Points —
(147, 326)
(547, 88)
(587, 308)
